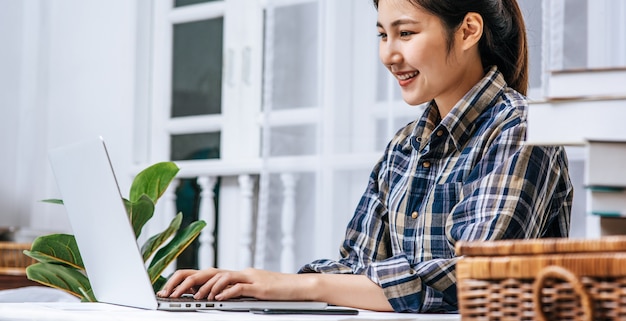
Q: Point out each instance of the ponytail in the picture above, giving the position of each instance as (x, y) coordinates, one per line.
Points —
(504, 43)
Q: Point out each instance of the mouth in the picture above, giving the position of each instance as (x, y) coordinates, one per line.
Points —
(405, 77)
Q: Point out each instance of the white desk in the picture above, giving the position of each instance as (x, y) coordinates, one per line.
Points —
(106, 312)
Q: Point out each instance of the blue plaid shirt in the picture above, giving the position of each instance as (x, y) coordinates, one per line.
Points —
(468, 176)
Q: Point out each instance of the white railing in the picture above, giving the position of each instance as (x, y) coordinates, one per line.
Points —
(288, 254)
(206, 212)
(238, 211)
(246, 191)
(170, 207)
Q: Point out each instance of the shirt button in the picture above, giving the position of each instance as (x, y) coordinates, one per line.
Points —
(414, 215)
(426, 164)
(439, 133)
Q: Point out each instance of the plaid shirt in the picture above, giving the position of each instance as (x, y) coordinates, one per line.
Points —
(468, 176)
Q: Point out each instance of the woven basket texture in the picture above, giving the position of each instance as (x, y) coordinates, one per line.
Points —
(12, 259)
(543, 279)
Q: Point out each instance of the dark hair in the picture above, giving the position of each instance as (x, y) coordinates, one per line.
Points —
(503, 42)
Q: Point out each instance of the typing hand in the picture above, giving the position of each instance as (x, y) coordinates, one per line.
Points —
(216, 284)
(187, 282)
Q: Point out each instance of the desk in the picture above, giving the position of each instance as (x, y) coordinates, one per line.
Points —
(106, 312)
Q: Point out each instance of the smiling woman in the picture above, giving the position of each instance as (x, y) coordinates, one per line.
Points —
(459, 172)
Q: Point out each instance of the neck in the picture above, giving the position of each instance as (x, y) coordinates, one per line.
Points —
(467, 80)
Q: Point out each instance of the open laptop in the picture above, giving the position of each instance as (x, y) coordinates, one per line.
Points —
(106, 241)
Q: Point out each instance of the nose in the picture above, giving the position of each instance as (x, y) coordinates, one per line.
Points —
(389, 53)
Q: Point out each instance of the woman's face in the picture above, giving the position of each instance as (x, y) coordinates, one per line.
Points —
(413, 46)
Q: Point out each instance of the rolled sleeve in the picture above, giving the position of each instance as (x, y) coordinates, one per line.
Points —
(425, 287)
(326, 266)
(510, 201)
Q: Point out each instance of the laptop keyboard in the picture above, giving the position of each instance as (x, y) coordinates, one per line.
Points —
(187, 301)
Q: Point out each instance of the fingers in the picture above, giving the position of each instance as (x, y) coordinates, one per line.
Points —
(173, 282)
(235, 291)
(212, 283)
(219, 283)
(204, 291)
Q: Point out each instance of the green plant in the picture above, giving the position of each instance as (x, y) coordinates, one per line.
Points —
(59, 262)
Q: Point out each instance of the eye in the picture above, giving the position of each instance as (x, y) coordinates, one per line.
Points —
(382, 35)
(405, 34)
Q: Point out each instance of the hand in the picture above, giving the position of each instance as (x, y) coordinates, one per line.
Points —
(186, 282)
(216, 284)
(349, 290)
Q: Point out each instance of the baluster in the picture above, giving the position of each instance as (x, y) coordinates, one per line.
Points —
(246, 188)
(206, 251)
(262, 220)
(287, 258)
(170, 211)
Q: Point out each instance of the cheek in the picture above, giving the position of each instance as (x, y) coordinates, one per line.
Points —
(412, 51)
(419, 55)
(429, 53)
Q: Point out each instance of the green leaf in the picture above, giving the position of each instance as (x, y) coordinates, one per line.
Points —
(60, 264)
(53, 201)
(173, 249)
(61, 277)
(153, 243)
(56, 248)
(158, 284)
(88, 295)
(153, 181)
(139, 212)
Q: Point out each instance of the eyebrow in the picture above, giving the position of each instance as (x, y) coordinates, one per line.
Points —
(400, 22)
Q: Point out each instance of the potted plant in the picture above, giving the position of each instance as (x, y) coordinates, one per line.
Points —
(59, 262)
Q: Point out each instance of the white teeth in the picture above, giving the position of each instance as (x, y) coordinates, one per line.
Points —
(407, 76)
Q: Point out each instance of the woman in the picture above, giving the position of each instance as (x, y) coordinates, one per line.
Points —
(459, 172)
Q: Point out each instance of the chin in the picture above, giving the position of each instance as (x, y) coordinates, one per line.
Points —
(414, 101)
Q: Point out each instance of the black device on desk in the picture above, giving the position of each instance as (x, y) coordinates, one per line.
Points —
(336, 311)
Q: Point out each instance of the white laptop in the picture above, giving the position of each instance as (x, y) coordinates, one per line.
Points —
(106, 241)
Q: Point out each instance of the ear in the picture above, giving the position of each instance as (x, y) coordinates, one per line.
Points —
(471, 30)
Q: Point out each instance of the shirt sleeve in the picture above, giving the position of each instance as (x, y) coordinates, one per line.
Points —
(524, 193)
(513, 191)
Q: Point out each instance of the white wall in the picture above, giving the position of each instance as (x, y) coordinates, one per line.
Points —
(68, 73)
(10, 19)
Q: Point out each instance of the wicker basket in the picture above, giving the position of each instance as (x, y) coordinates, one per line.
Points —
(543, 279)
(12, 259)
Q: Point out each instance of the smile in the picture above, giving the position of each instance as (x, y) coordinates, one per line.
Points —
(407, 75)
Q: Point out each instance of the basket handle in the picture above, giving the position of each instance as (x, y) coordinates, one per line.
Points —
(558, 272)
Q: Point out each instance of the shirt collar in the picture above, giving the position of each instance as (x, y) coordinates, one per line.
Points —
(460, 121)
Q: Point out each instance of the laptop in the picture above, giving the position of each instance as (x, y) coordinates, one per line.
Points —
(107, 243)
